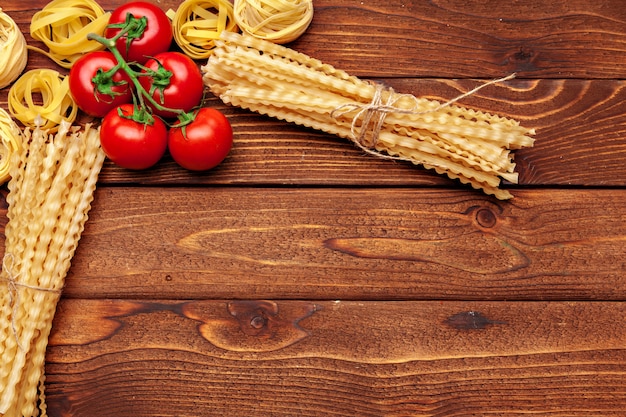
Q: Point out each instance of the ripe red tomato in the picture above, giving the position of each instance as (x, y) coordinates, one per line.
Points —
(94, 92)
(129, 143)
(180, 88)
(202, 144)
(156, 37)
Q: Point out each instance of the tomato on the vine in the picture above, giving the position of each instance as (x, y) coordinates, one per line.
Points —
(204, 143)
(174, 81)
(94, 90)
(153, 38)
(129, 143)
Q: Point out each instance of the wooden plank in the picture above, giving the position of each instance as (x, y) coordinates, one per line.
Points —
(580, 123)
(483, 39)
(580, 140)
(232, 358)
(161, 314)
(454, 39)
(351, 244)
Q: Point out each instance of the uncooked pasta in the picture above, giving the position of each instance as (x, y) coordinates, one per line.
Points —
(63, 26)
(278, 21)
(465, 144)
(197, 24)
(13, 51)
(42, 98)
(52, 183)
(10, 144)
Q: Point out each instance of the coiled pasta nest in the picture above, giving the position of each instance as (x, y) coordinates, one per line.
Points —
(277, 21)
(13, 51)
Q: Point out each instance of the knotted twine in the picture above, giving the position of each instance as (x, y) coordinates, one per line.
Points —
(368, 122)
(13, 287)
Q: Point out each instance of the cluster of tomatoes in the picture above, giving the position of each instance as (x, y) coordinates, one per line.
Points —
(150, 98)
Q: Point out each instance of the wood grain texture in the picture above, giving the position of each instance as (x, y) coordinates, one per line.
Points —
(304, 278)
(351, 244)
(450, 38)
(581, 140)
(580, 123)
(341, 358)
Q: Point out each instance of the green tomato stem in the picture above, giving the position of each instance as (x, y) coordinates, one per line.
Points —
(142, 94)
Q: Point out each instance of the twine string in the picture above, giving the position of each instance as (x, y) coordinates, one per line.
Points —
(369, 120)
(13, 286)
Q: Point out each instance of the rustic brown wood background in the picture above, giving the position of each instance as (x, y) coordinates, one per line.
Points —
(304, 278)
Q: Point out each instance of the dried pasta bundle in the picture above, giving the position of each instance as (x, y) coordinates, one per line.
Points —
(13, 51)
(471, 146)
(52, 183)
(278, 21)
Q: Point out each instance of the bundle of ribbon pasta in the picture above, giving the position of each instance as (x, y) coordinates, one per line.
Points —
(52, 183)
(465, 144)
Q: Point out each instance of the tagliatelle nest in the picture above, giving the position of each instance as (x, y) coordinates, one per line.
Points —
(278, 21)
(41, 98)
(63, 26)
(11, 143)
(197, 24)
(13, 51)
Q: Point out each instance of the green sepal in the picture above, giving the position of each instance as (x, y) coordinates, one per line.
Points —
(103, 81)
(133, 28)
(161, 79)
(140, 115)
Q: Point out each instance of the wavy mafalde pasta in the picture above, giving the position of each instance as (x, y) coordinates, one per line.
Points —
(278, 21)
(42, 98)
(53, 179)
(10, 143)
(197, 24)
(63, 26)
(465, 144)
(13, 51)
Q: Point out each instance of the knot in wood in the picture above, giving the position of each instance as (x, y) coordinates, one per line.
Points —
(257, 322)
(485, 217)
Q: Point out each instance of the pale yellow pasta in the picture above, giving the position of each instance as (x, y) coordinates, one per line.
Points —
(50, 192)
(197, 24)
(13, 51)
(10, 143)
(471, 146)
(278, 21)
(63, 26)
(42, 98)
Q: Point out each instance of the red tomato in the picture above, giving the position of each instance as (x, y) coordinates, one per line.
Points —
(179, 85)
(129, 143)
(202, 144)
(94, 92)
(156, 36)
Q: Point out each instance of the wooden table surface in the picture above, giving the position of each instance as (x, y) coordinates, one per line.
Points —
(303, 277)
